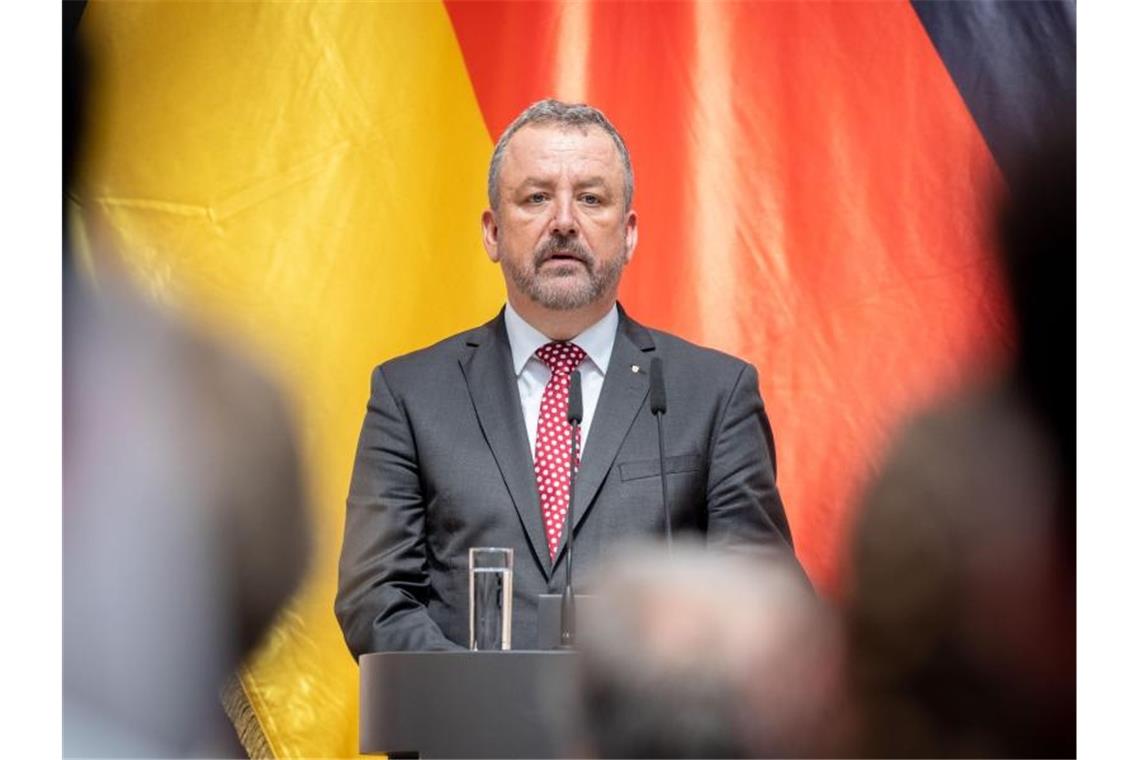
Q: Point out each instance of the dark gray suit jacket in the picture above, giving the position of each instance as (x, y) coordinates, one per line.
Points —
(444, 464)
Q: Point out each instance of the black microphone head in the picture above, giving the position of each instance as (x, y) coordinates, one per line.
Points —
(574, 410)
(656, 386)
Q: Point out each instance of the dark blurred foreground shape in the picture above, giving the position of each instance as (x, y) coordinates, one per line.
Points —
(184, 527)
(694, 654)
(962, 605)
(959, 629)
(184, 521)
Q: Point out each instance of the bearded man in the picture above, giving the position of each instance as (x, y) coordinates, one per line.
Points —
(465, 443)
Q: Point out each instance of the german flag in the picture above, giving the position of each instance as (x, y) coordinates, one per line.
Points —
(813, 182)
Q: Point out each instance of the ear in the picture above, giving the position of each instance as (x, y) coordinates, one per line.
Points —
(491, 235)
(630, 235)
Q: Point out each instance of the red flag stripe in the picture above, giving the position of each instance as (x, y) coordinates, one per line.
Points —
(812, 196)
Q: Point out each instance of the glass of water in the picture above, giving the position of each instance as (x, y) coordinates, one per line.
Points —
(489, 576)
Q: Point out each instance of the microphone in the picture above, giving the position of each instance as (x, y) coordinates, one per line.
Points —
(656, 387)
(574, 417)
(574, 410)
(657, 407)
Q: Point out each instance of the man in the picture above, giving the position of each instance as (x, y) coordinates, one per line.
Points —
(465, 443)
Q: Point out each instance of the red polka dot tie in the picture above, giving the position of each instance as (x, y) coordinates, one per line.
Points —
(552, 444)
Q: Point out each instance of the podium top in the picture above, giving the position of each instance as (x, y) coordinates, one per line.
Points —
(466, 704)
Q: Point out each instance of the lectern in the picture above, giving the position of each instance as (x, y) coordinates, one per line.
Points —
(466, 704)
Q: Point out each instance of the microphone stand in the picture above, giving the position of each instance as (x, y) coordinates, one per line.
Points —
(657, 406)
(664, 487)
(574, 417)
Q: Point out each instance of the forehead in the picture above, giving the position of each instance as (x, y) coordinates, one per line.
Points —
(548, 148)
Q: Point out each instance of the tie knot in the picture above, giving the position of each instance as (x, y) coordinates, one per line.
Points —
(562, 358)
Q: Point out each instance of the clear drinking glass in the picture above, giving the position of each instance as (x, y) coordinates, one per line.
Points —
(489, 578)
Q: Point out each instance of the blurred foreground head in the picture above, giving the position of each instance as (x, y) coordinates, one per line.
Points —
(1037, 228)
(962, 608)
(691, 654)
(184, 527)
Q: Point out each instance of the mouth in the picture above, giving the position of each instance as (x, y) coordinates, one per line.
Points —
(563, 256)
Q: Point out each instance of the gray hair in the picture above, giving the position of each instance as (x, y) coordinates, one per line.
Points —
(551, 111)
(696, 652)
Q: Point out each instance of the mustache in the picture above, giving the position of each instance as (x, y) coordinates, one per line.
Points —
(562, 245)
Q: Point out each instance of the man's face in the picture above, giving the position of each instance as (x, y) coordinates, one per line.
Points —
(561, 231)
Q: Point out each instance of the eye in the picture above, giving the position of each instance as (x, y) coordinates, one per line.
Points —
(591, 200)
(536, 197)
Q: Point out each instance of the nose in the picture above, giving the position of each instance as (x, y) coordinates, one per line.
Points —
(564, 221)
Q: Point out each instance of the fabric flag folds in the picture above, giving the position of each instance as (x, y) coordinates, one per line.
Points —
(307, 179)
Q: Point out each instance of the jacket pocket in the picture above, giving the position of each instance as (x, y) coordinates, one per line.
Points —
(651, 468)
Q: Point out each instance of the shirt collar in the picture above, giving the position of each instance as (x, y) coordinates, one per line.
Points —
(597, 340)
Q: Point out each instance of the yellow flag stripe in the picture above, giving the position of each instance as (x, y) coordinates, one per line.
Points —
(306, 180)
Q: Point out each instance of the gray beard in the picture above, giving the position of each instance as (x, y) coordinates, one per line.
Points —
(545, 290)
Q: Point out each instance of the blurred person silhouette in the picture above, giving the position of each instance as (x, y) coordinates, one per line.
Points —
(694, 654)
(962, 606)
(184, 524)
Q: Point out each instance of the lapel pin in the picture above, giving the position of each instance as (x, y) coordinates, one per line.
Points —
(635, 368)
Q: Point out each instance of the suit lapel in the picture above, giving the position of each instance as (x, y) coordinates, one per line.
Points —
(623, 394)
(494, 393)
